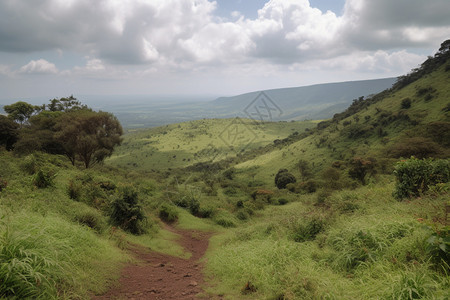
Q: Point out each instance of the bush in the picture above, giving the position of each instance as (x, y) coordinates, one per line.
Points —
(43, 178)
(126, 212)
(360, 168)
(416, 146)
(30, 164)
(3, 184)
(415, 176)
(406, 103)
(308, 231)
(437, 246)
(168, 213)
(283, 178)
(74, 190)
(92, 219)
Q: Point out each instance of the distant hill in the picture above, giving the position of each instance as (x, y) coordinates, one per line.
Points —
(313, 102)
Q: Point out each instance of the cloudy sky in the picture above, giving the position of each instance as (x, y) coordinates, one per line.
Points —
(54, 48)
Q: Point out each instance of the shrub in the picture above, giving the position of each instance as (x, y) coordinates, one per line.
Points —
(416, 146)
(437, 246)
(30, 164)
(168, 213)
(74, 190)
(283, 178)
(415, 176)
(282, 201)
(205, 212)
(360, 168)
(92, 219)
(308, 231)
(406, 103)
(126, 212)
(3, 184)
(43, 178)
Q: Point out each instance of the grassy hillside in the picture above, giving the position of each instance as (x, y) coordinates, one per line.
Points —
(184, 144)
(377, 131)
(327, 227)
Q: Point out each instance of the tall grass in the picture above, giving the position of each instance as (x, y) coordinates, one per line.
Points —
(49, 258)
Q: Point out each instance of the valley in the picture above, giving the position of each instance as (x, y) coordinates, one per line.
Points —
(353, 205)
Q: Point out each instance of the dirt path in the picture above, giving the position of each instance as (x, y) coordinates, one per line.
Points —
(159, 276)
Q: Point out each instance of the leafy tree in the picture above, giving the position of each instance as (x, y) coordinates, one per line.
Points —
(65, 104)
(20, 111)
(39, 134)
(8, 132)
(87, 135)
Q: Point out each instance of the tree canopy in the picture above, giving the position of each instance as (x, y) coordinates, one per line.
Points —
(65, 127)
(20, 111)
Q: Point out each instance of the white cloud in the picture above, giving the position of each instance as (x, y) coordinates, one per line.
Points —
(40, 66)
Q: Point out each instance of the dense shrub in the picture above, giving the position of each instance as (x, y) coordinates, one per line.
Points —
(126, 212)
(360, 168)
(406, 103)
(74, 190)
(309, 230)
(283, 178)
(415, 176)
(168, 213)
(416, 146)
(43, 178)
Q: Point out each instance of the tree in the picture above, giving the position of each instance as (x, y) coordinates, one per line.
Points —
(88, 135)
(8, 132)
(65, 104)
(20, 111)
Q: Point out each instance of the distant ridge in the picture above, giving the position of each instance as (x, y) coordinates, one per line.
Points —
(318, 101)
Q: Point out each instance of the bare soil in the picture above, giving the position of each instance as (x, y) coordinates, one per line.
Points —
(159, 276)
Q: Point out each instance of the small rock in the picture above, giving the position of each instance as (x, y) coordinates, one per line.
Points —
(193, 283)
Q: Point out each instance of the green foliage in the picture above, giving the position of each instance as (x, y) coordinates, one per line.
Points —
(413, 286)
(8, 132)
(31, 164)
(3, 184)
(360, 168)
(24, 271)
(415, 176)
(308, 231)
(44, 178)
(283, 178)
(420, 147)
(168, 213)
(438, 247)
(127, 213)
(406, 103)
(20, 111)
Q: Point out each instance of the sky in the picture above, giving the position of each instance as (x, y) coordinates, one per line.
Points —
(56, 48)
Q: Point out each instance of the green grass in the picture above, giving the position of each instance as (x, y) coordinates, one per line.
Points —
(180, 145)
(374, 252)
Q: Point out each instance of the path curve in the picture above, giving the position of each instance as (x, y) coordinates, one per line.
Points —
(159, 276)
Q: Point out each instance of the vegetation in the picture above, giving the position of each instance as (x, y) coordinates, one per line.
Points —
(332, 226)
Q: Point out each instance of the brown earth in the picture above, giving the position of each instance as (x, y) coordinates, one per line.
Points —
(159, 276)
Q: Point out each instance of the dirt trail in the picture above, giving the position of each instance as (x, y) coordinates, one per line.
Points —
(159, 276)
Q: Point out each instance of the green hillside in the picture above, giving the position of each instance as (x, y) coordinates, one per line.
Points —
(354, 207)
(184, 144)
